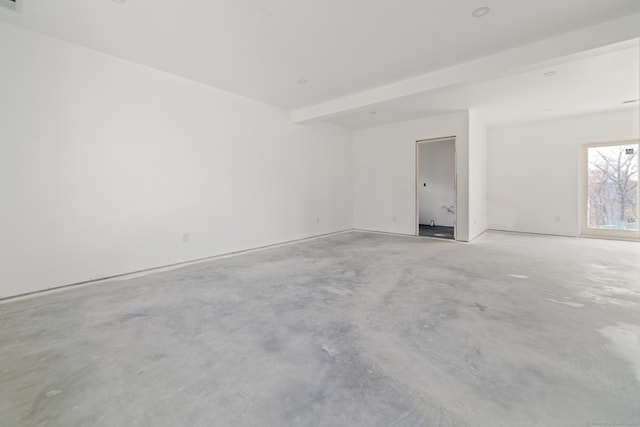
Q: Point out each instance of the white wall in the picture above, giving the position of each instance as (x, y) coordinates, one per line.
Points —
(385, 172)
(436, 182)
(533, 169)
(477, 176)
(106, 164)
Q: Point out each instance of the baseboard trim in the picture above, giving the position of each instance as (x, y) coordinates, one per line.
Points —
(532, 233)
(168, 267)
(388, 233)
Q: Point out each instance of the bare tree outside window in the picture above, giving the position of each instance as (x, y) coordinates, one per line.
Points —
(613, 187)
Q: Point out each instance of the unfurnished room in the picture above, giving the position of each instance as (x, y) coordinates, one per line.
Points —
(319, 213)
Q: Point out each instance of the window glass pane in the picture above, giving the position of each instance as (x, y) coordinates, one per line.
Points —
(613, 187)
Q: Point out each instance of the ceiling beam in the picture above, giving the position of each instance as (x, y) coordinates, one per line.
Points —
(569, 46)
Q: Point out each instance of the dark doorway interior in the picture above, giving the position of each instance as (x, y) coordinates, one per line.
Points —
(436, 188)
(436, 231)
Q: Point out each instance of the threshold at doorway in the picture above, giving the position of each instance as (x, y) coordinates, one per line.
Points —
(439, 231)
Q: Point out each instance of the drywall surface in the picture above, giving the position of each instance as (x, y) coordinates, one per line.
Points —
(385, 172)
(477, 176)
(109, 167)
(533, 169)
(436, 182)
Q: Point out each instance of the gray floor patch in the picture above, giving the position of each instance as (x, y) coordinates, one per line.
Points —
(356, 329)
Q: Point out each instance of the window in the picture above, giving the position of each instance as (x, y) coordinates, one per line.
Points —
(611, 193)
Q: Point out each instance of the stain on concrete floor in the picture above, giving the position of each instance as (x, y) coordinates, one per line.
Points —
(356, 329)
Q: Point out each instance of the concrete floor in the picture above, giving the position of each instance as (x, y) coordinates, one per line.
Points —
(356, 329)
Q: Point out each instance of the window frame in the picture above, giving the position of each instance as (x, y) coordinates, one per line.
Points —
(585, 231)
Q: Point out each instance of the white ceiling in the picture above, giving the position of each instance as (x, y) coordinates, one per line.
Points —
(401, 59)
(261, 48)
(599, 82)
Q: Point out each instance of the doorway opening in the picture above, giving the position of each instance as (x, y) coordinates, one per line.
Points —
(436, 194)
(610, 191)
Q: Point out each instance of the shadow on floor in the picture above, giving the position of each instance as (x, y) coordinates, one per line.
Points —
(436, 231)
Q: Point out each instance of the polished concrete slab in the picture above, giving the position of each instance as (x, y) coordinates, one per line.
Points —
(356, 329)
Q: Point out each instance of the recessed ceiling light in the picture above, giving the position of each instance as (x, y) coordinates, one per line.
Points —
(119, 1)
(302, 81)
(550, 74)
(373, 113)
(480, 12)
(631, 101)
(548, 110)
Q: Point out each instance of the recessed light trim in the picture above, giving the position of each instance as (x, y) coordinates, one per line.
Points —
(630, 101)
(373, 113)
(119, 1)
(548, 110)
(302, 81)
(480, 12)
(550, 73)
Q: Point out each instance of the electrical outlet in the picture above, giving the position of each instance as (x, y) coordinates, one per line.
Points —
(317, 220)
(185, 237)
(394, 219)
(556, 219)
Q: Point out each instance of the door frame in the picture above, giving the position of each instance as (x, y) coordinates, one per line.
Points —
(455, 181)
(584, 185)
